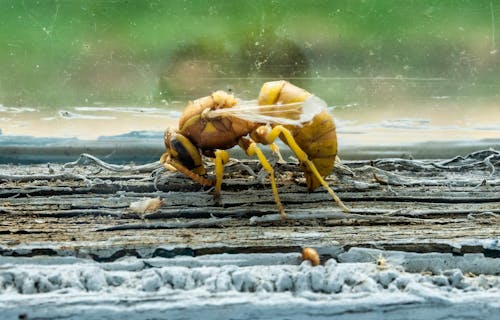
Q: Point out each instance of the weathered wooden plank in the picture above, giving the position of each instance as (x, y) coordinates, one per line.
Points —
(422, 238)
(393, 201)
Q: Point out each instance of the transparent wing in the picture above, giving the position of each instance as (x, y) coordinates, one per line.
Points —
(296, 113)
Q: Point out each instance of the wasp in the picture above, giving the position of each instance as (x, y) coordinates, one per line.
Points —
(211, 125)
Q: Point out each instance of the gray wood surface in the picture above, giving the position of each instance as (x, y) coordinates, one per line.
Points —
(421, 242)
(413, 205)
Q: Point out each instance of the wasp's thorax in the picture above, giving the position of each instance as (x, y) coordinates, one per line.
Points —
(211, 133)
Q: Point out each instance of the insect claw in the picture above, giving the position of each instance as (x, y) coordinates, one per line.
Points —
(217, 200)
(282, 212)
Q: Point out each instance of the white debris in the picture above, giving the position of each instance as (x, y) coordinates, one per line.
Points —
(146, 205)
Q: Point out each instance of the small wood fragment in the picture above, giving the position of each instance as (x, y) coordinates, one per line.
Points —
(146, 205)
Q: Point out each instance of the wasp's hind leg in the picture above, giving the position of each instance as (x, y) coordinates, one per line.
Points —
(271, 136)
(251, 149)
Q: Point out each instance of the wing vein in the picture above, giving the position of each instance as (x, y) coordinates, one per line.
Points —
(296, 113)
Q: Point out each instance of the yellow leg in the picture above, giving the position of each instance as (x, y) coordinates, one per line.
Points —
(271, 136)
(164, 157)
(165, 161)
(221, 158)
(253, 149)
(276, 150)
(169, 167)
(173, 165)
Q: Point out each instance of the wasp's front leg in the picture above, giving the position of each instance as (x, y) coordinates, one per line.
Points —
(173, 165)
(165, 161)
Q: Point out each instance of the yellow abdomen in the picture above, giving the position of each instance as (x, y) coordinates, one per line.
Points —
(317, 138)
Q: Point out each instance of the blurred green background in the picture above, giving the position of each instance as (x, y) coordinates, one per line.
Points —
(148, 53)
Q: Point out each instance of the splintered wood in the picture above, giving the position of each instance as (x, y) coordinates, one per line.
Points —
(86, 208)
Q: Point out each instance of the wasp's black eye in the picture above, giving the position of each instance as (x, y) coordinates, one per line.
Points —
(183, 155)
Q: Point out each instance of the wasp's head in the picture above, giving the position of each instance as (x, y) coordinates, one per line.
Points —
(182, 151)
